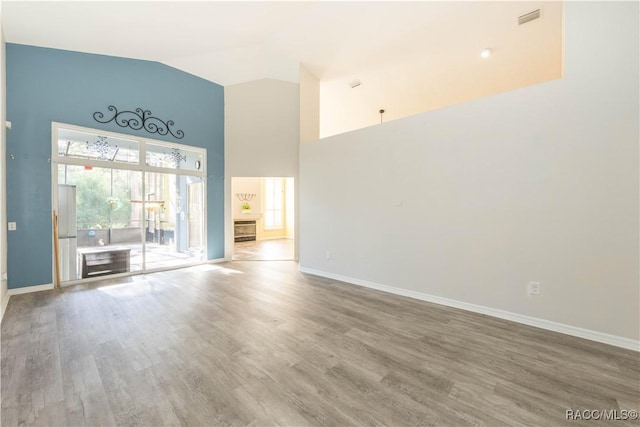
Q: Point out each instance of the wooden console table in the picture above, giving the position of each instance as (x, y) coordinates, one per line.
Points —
(104, 260)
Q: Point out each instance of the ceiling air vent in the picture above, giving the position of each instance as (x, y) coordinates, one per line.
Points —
(528, 17)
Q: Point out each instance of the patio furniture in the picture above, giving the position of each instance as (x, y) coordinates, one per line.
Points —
(100, 261)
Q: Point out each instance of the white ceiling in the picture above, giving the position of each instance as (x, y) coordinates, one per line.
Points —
(234, 42)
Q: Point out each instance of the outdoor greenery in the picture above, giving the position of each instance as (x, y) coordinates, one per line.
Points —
(102, 196)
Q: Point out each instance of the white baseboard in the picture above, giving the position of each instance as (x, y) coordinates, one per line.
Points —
(502, 314)
(29, 289)
(217, 260)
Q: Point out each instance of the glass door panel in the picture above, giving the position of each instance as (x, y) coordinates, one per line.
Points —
(100, 225)
(173, 220)
(195, 209)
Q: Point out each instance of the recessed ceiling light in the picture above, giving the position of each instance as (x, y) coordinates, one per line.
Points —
(485, 53)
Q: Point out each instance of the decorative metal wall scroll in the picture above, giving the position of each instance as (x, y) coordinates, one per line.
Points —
(139, 119)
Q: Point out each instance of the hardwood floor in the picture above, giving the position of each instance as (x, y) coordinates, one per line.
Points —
(264, 250)
(258, 343)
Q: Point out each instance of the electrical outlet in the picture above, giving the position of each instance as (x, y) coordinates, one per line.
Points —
(533, 288)
(328, 254)
(11, 226)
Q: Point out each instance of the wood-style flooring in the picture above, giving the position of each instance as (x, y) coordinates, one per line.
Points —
(264, 250)
(258, 343)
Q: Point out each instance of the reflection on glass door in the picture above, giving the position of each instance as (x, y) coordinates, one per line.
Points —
(173, 220)
(195, 196)
(100, 229)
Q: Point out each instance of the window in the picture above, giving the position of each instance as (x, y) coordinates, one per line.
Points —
(169, 156)
(273, 203)
(73, 143)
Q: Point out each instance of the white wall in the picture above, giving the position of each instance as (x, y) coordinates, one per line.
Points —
(262, 128)
(309, 105)
(473, 201)
(290, 212)
(262, 136)
(246, 186)
(4, 294)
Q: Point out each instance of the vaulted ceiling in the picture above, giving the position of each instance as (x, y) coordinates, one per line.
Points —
(233, 42)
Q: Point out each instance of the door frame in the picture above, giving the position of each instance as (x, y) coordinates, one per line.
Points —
(57, 159)
(229, 214)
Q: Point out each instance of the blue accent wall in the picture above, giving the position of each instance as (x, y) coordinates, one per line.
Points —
(46, 85)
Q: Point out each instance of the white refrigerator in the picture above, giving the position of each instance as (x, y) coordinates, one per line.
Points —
(67, 232)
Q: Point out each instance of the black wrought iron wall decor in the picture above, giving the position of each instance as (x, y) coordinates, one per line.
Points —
(139, 119)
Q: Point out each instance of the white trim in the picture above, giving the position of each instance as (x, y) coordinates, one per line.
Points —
(141, 167)
(29, 289)
(501, 314)
(217, 260)
(142, 150)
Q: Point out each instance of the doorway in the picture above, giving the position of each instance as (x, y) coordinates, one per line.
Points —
(126, 205)
(263, 213)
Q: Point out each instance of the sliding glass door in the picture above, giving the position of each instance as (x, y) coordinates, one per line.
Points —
(173, 221)
(94, 204)
(126, 205)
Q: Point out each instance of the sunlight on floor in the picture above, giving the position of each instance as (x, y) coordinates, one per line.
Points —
(264, 250)
(144, 284)
(211, 267)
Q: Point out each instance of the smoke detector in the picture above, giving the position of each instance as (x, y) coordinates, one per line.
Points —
(355, 83)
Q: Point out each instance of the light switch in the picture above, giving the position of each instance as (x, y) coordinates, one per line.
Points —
(12, 226)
